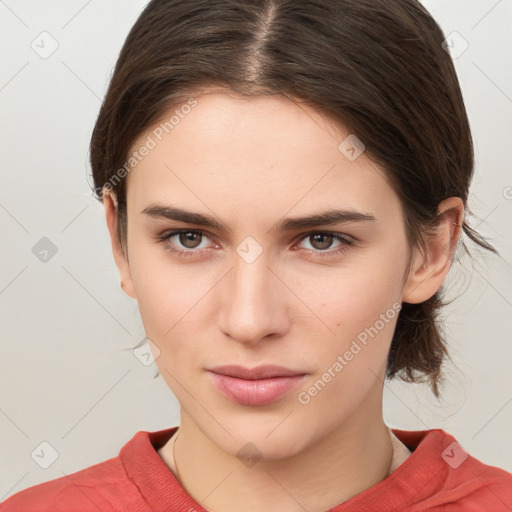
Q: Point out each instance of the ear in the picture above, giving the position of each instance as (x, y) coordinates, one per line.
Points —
(428, 271)
(110, 204)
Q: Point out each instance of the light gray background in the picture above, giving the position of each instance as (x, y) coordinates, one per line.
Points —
(64, 377)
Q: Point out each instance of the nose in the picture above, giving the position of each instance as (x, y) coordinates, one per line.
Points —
(254, 303)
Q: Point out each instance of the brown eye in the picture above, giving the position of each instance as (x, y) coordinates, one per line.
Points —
(185, 242)
(319, 242)
(190, 239)
(322, 241)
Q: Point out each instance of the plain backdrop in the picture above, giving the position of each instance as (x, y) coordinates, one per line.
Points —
(71, 388)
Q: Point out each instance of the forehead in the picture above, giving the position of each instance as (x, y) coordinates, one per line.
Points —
(254, 152)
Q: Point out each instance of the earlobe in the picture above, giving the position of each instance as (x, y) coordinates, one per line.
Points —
(428, 270)
(123, 266)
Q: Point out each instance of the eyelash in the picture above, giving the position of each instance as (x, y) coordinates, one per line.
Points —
(346, 243)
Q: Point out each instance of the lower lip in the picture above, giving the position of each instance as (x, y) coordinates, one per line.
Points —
(255, 392)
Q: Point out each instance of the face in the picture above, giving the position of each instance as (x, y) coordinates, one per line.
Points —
(319, 299)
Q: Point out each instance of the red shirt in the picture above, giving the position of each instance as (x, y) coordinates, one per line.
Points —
(437, 476)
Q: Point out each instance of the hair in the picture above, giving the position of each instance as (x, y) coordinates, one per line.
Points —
(378, 67)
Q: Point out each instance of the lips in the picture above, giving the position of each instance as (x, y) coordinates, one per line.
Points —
(260, 372)
(255, 386)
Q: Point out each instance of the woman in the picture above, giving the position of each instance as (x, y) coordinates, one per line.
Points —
(285, 184)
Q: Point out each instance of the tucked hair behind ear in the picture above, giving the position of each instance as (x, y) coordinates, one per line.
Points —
(376, 66)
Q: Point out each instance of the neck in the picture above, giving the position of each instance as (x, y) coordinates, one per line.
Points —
(347, 461)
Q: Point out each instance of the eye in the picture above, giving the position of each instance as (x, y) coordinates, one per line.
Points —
(186, 238)
(189, 239)
(323, 240)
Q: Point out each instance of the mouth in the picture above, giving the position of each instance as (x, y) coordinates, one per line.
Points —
(257, 386)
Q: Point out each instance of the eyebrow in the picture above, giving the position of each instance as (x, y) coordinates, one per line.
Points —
(329, 217)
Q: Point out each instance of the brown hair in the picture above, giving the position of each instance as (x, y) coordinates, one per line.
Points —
(376, 66)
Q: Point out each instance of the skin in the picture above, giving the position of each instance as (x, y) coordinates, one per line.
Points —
(246, 162)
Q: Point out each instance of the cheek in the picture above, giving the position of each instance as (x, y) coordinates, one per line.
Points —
(173, 301)
(169, 310)
(346, 300)
(358, 306)
(163, 287)
(362, 309)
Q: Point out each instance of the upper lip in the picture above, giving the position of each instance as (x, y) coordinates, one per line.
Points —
(259, 372)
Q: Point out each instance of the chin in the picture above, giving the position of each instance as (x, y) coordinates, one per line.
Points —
(263, 438)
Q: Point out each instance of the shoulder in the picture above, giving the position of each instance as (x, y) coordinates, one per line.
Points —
(122, 483)
(452, 479)
(85, 490)
(480, 484)
(105, 486)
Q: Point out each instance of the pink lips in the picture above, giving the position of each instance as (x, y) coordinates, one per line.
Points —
(257, 386)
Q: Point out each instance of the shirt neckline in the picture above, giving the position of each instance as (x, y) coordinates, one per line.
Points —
(162, 490)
